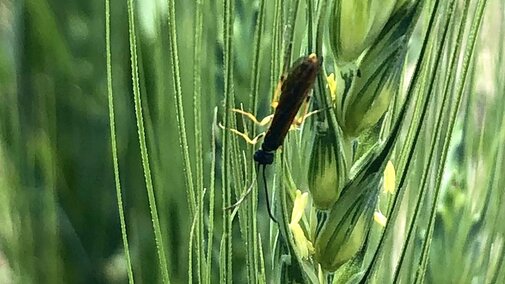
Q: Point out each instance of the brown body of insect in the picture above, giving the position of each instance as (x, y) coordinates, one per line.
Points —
(295, 89)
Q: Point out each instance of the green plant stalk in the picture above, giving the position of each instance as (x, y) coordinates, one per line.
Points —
(413, 127)
(262, 278)
(289, 34)
(438, 129)
(222, 260)
(181, 124)
(459, 236)
(197, 107)
(284, 242)
(500, 263)
(443, 158)
(190, 249)
(239, 167)
(112, 126)
(322, 15)
(255, 79)
(143, 146)
(197, 92)
(393, 213)
(210, 230)
(276, 46)
(309, 13)
(488, 218)
(226, 256)
(156, 126)
(252, 236)
(476, 23)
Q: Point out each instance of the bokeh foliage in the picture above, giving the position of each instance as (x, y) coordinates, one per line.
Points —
(194, 60)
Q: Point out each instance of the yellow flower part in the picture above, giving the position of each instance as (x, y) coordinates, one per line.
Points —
(332, 86)
(299, 206)
(379, 218)
(389, 178)
(303, 246)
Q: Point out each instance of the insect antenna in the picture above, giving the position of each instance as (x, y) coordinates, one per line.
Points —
(266, 195)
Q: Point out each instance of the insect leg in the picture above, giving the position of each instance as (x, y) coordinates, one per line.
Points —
(307, 115)
(244, 136)
(249, 115)
(299, 121)
(304, 112)
(277, 92)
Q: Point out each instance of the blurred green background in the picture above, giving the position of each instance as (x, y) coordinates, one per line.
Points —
(59, 219)
(58, 204)
(59, 214)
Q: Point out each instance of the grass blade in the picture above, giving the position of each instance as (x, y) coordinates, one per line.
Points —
(181, 125)
(476, 23)
(114, 143)
(143, 144)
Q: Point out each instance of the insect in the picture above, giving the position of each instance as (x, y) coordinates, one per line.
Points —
(295, 87)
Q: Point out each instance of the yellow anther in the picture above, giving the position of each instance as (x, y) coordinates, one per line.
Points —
(379, 218)
(332, 86)
(303, 246)
(389, 178)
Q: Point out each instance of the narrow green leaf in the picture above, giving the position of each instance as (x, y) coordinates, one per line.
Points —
(197, 107)
(472, 38)
(227, 241)
(143, 144)
(438, 128)
(181, 124)
(112, 126)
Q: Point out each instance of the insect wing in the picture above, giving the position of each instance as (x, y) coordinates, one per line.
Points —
(294, 92)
